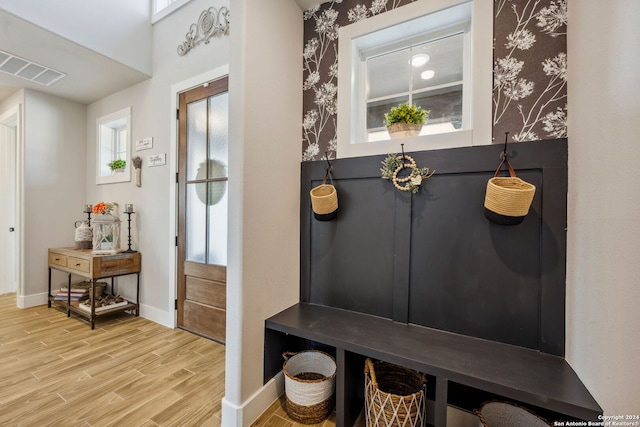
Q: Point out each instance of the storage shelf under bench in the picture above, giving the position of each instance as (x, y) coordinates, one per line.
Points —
(466, 363)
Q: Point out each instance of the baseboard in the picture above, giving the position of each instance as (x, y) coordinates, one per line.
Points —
(26, 301)
(245, 414)
(165, 318)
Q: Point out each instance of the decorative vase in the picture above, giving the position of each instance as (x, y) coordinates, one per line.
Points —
(83, 235)
(403, 130)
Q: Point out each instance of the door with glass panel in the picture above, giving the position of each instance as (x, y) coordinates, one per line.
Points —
(202, 209)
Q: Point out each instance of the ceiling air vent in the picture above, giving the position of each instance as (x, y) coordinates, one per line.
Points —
(28, 70)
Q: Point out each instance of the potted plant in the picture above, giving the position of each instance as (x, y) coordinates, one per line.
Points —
(405, 120)
(117, 165)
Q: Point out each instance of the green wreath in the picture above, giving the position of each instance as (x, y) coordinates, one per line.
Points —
(394, 164)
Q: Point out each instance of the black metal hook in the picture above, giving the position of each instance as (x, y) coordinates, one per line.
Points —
(504, 154)
(329, 165)
(402, 145)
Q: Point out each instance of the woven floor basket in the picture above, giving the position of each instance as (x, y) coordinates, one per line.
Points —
(502, 414)
(394, 396)
(508, 197)
(309, 385)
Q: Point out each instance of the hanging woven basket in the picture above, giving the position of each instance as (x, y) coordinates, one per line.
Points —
(507, 199)
(394, 396)
(324, 200)
(503, 414)
(309, 385)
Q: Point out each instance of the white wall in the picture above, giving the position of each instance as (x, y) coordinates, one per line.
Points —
(53, 148)
(265, 86)
(152, 117)
(118, 29)
(603, 268)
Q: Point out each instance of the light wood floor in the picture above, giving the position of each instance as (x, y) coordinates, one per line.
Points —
(276, 416)
(56, 371)
(129, 371)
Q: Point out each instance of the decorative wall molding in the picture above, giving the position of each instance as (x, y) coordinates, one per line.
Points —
(212, 22)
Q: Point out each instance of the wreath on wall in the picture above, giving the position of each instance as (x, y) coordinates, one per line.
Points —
(394, 164)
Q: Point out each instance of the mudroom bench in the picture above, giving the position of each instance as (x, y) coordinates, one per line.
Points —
(462, 371)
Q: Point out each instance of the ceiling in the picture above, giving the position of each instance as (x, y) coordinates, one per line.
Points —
(90, 76)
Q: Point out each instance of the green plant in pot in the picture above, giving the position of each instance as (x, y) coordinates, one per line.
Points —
(405, 120)
(117, 165)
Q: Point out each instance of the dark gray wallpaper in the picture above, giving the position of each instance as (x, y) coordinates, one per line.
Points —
(529, 95)
(530, 70)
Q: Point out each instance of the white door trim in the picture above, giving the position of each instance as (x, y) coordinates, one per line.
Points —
(13, 117)
(176, 89)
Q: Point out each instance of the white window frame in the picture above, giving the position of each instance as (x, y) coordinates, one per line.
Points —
(352, 42)
(174, 5)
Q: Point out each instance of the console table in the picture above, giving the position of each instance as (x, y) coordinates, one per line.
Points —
(83, 263)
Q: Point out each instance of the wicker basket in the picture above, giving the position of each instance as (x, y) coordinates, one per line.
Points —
(508, 199)
(503, 414)
(309, 385)
(394, 396)
(324, 200)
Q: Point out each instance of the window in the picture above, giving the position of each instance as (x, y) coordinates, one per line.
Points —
(162, 8)
(113, 143)
(438, 59)
(427, 72)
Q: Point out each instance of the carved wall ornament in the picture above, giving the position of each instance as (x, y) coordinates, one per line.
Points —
(212, 22)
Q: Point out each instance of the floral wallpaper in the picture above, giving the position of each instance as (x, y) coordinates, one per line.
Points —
(529, 96)
(530, 70)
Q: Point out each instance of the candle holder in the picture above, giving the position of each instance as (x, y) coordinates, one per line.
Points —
(129, 250)
(87, 210)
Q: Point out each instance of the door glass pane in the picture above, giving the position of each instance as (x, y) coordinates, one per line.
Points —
(218, 227)
(196, 140)
(196, 220)
(218, 135)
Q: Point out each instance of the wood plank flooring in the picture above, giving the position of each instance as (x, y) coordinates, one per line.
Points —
(129, 371)
(56, 371)
(276, 416)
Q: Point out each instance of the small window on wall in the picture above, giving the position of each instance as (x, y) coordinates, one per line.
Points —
(162, 8)
(436, 56)
(427, 73)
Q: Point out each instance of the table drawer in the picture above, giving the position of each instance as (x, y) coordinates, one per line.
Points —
(56, 259)
(78, 264)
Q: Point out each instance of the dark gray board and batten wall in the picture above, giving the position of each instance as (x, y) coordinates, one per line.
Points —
(433, 260)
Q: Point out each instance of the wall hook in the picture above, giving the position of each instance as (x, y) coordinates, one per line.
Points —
(329, 165)
(504, 154)
(402, 146)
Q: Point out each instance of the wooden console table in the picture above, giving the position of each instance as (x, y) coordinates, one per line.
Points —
(83, 263)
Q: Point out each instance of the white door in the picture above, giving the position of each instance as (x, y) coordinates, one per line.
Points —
(7, 205)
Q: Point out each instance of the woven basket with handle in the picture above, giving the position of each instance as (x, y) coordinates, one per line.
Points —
(324, 199)
(394, 395)
(507, 199)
